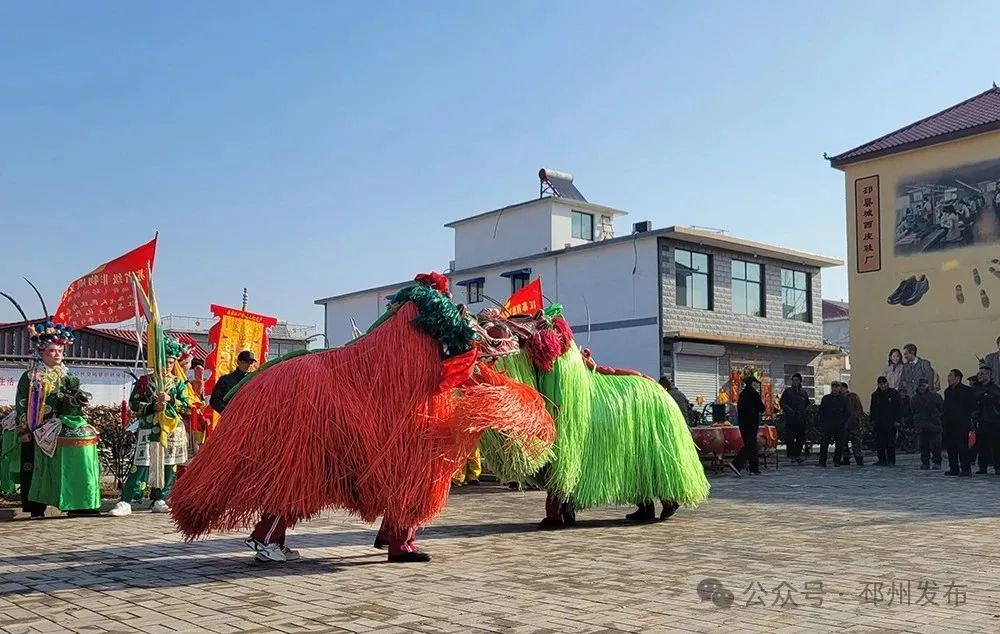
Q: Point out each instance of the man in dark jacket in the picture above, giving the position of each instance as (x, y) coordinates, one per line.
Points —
(959, 403)
(926, 407)
(987, 419)
(886, 412)
(749, 409)
(678, 396)
(794, 402)
(833, 415)
(227, 382)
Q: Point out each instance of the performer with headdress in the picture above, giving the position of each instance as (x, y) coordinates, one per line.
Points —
(59, 461)
(161, 442)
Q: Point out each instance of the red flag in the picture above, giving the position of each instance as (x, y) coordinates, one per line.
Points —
(526, 301)
(104, 296)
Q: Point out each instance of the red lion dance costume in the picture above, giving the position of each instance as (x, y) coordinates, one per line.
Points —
(377, 427)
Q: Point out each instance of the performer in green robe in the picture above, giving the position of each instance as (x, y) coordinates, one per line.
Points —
(10, 455)
(161, 440)
(59, 461)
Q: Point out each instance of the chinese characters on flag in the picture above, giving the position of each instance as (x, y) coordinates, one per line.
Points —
(868, 224)
(526, 301)
(104, 296)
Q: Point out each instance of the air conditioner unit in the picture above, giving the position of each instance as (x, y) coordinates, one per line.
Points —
(642, 227)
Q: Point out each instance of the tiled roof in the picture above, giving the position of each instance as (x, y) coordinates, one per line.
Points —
(973, 116)
(835, 310)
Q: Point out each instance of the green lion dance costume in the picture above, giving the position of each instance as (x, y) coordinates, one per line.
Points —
(620, 437)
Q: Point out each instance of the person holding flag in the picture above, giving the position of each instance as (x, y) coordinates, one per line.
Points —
(160, 400)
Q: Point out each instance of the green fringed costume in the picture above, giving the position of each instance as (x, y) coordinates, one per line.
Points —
(69, 479)
(621, 438)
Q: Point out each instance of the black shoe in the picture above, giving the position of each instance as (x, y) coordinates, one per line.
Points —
(755, 472)
(411, 557)
(821, 464)
(950, 473)
(645, 513)
(473, 483)
(919, 289)
(965, 474)
(549, 524)
(937, 466)
(800, 461)
(380, 543)
(982, 472)
(904, 289)
(569, 515)
(925, 467)
(669, 508)
(733, 468)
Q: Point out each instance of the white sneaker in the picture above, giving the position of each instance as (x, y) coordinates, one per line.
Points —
(271, 552)
(290, 555)
(160, 506)
(121, 510)
(254, 545)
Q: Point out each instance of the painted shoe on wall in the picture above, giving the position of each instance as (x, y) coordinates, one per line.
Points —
(919, 290)
(904, 289)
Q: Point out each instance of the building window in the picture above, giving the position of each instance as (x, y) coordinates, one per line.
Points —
(796, 295)
(517, 282)
(693, 273)
(475, 292)
(748, 288)
(583, 226)
(808, 374)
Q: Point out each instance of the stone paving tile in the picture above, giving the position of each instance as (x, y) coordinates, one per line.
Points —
(763, 538)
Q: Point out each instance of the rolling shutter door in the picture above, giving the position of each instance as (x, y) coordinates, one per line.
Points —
(695, 374)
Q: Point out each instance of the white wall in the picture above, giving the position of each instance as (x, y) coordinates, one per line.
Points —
(364, 308)
(108, 385)
(599, 278)
(522, 231)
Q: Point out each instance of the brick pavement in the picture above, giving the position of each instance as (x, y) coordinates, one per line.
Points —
(847, 529)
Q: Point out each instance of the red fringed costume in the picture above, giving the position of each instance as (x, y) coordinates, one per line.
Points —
(377, 428)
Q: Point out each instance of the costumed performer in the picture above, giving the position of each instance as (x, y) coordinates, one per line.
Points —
(59, 461)
(376, 427)
(161, 440)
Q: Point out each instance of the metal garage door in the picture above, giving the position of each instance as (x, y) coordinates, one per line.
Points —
(695, 374)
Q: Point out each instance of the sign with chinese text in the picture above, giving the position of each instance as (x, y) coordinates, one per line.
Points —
(104, 296)
(236, 331)
(868, 224)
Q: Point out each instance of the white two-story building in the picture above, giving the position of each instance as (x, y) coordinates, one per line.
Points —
(685, 302)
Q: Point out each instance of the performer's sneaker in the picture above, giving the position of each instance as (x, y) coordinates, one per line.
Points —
(290, 555)
(410, 557)
(160, 506)
(271, 553)
(121, 510)
(254, 545)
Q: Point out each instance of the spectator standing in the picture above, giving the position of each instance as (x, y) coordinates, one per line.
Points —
(886, 412)
(959, 403)
(833, 415)
(678, 396)
(749, 409)
(987, 418)
(852, 435)
(794, 403)
(927, 407)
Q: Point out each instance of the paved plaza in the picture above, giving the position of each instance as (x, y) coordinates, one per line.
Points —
(800, 549)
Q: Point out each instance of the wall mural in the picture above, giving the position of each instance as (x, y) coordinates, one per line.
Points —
(949, 209)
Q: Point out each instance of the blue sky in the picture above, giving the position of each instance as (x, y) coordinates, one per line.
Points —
(311, 148)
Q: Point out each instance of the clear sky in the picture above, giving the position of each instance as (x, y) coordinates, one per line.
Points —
(306, 149)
